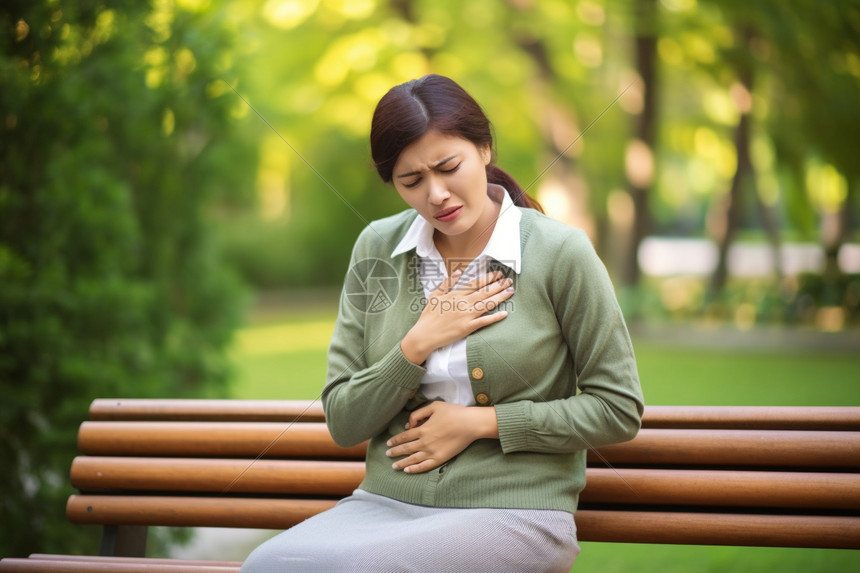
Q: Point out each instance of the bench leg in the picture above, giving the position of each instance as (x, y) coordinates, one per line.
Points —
(124, 541)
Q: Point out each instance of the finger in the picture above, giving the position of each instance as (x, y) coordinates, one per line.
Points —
(402, 438)
(486, 279)
(495, 287)
(487, 319)
(483, 301)
(486, 288)
(414, 459)
(420, 416)
(480, 282)
(498, 298)
(407, 449)
(424, 466)
(449, 283)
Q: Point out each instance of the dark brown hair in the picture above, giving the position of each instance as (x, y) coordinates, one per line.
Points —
(434, 102)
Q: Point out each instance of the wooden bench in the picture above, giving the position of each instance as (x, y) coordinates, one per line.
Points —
(759, 476)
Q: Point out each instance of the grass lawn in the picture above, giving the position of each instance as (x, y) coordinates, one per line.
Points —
(286, 360)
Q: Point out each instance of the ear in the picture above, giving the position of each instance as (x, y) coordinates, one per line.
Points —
(486, 154)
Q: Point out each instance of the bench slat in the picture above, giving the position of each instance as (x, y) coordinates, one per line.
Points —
(16, 565)
(808, 490)
(833, 418)
(254, 513)
(736, 448)
(149, 560)
(207, 410)
(797, 490)
(754, 448)
(846, 418)
(249, 439)
(836, 532)
(216, 475)
(719, 529)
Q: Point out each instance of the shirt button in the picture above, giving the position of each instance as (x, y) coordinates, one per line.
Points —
(482, 399)
(477, 373)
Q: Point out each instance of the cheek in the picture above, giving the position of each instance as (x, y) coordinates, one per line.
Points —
(477, 182)
(410, 198)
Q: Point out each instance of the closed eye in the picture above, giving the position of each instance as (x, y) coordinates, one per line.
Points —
(438, 168)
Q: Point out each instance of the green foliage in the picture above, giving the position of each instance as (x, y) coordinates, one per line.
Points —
(842, 293)
(807, 300)
(110, 283)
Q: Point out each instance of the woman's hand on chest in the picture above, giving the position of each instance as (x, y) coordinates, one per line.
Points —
(453, 311)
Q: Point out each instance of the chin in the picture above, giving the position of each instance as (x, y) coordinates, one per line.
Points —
(450, 230)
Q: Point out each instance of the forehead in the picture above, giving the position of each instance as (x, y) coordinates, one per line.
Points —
(431, 148)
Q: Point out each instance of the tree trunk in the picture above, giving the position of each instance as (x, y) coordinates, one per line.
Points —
(832, 241)
(770, 224)
(559, 130)
(743, 175)
(645, 14)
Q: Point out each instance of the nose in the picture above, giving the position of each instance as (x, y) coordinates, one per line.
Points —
(437, 192)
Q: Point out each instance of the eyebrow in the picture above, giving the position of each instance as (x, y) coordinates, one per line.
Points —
(443, 162)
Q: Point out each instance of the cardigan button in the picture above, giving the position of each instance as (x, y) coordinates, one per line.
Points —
(482, 399)
(477, 373)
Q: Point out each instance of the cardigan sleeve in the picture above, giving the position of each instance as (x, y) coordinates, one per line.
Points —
(608, 406)
(361, 397)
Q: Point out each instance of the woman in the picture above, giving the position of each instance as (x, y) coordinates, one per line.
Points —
(480, 348)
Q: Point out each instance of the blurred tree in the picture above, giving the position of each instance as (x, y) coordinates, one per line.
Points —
(325, 67)
(743, 180)
(114, 124)
(547, 72)
(327, 64)
(761, 129)
(641, 150)
(814, 57)
(793, 49)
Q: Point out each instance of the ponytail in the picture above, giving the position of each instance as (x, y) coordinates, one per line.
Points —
(499, 176)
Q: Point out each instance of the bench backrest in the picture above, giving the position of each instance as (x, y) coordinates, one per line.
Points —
(775, 476)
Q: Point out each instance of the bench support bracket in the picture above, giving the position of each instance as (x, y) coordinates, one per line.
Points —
(124, 541)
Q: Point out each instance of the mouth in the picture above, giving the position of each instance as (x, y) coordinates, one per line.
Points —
(448, 214)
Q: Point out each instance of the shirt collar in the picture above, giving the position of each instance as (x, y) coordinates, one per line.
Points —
(503, 246)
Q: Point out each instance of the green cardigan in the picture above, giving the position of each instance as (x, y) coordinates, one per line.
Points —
(559, 370)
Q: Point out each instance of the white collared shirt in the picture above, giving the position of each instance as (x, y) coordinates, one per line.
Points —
(447, 376)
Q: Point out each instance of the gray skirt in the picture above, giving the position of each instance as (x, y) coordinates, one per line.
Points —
(368, 532)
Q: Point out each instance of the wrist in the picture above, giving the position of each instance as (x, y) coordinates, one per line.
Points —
(414, 349)
(486, 425)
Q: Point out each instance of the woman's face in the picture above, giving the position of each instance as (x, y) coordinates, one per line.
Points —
(444, 178)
